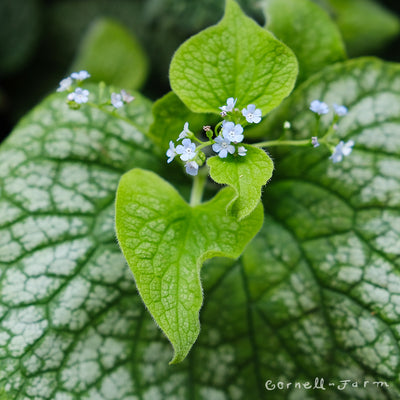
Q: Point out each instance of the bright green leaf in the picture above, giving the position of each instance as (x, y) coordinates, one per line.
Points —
(308, 31)
(166, 241)
(366, 26)
(112, 54)
(236, 58)
(246, 175)
(170, 114)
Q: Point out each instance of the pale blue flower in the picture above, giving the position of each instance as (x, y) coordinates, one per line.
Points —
(342, 150)
(79, 96)
(314, 141)
(192, 168)
(242, 151)
(319, 107)
(171, 152)
(232, 132)
(184, 133)
(187, 151)
(252, 114)
(80, 76)
(230, 104)
(65, 84)
(223, 146)
(116, 100)
(126, 97)
(340, 110)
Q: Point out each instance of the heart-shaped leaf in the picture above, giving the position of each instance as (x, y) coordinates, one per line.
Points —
(236, 58)
(166, 241)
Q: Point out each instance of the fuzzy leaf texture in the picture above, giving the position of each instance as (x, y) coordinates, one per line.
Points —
(320, 281)
(246, 175)
(308, 31)
(235, 58)
(166, 241)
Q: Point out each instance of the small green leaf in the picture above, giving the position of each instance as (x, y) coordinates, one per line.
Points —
(236, 58)
(246, 175)
(296, 22)
(170, 114)
(165, 242)
(366, 26)
(112, 54)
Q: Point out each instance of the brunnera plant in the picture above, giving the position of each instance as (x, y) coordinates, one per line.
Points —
(311, 264)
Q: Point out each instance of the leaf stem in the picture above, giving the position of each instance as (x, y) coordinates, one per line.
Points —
(199, 182)
(305, 142)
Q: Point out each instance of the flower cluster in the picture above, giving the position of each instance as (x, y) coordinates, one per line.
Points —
(225, 139)
(119, 99)
(338, 150)
(78, 95)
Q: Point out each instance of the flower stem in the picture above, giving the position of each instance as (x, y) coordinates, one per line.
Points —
(305, 142)
(204, 144)
(199, 182)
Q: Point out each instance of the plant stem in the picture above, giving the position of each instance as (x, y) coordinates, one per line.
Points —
(305, 142)
(199, 182)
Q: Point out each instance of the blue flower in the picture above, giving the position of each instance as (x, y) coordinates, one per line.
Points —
(252, 114)
(242, 151)
(340, 110)
(126, 97)
(80, 76)
(232, 132)
(223, 146)
(192, 168)
(171, 152)
(230, 104)
(314, 141)
(116, 100)
(184, 133)
(342, 150)
(187, 151)
(80, 96)
(65, 84)
(319, 107)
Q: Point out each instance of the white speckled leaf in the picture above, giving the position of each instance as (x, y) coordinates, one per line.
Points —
(317, 293)
(323, 274)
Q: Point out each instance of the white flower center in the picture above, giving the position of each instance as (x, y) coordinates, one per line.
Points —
(231, 134)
